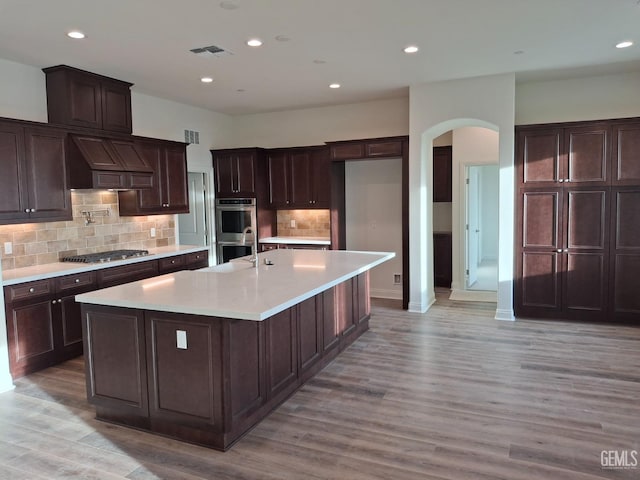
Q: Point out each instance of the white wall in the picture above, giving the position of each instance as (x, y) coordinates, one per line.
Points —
(373, 200)
(314, 126)
(588, 98)
(471, 146)
(436, 108)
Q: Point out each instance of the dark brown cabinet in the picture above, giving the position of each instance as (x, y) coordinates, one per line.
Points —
(83, 99)
(577, 236)
(33, 184)
(235, 172)
(43, 322)
(299, 177)
(574, 154)
(442, 174)
(224, 376)
(169, 192)
(442, 259)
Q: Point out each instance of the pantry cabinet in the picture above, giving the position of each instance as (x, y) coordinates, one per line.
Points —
(578, 244)
(33, 184)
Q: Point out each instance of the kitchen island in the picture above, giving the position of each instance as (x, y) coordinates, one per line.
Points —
(203, 356)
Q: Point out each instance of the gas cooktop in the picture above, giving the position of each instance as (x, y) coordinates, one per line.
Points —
(105, 256)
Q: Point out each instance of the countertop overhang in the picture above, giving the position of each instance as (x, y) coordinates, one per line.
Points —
(240, 291)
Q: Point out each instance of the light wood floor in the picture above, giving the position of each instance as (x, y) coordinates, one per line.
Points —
(451, 394)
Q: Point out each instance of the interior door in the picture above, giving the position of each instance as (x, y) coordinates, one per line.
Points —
(473, 226)
(193, 225)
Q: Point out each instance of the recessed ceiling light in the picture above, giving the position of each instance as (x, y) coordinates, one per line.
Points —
(624, 44)
(334, 85)
(254, 42)
(206, 79)
(75, 34)
(228, 5)
(411, 49)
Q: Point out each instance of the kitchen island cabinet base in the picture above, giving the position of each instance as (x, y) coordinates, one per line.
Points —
(232, 374)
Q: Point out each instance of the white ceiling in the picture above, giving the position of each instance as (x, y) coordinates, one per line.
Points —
(147, 42)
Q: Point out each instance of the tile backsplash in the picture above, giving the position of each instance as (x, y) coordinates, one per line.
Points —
(308, 223)
(40, 243)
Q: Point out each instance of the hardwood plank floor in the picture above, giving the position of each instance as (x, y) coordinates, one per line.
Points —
(450, 394)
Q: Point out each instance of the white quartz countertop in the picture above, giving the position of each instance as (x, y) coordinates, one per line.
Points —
(297, 240)
(239, 290)
(57, 269)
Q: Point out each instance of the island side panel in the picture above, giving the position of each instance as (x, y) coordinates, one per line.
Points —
(115, 356)
(184, 361)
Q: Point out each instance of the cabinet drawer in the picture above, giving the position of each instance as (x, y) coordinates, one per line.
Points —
(171, 264)
(384, 149)
(28, 290)
(197, 259)
(69, 283)
(127, 273)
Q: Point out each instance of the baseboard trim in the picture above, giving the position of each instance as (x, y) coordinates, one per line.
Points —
(385, 293)
(474, 296)
(505, 315)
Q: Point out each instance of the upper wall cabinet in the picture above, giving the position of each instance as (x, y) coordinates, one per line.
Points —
(169, 191)
(575, 154)
(625, 153)
(83, 99)
(235, 172)
(33, 183)
(299, 177)
(372, 148)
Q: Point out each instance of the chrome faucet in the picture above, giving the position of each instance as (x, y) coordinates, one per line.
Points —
(254, 257)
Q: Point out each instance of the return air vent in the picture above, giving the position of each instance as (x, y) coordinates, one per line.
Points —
(211, 51)
(191, 136)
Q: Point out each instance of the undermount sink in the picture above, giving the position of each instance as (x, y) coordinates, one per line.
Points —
(227, 267)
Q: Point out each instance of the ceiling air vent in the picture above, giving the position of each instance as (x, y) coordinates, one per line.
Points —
(211, 51)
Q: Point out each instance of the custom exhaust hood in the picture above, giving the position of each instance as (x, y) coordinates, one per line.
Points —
(100, 162)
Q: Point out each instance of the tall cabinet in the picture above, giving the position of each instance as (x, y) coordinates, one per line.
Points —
(578, 240)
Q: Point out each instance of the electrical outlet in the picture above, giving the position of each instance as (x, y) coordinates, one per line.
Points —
(181, 339)
(8, 248)
(397, 279)
(293, 223)
(153, 232)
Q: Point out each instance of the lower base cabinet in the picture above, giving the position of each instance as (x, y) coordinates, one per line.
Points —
(231, 374)
(44, 325)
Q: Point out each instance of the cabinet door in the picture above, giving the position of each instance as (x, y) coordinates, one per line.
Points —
(281, 351)
(225, 175)
(85, 101)
(116, 106)
(539, 265)
(625, 158)
(587, 154)
(278, 164)
(321, 178)
(301, 173)
(539, 156)
(442, 174)
(13, 185)
(586, 253)
(442, 259)
(245, 173)
(625, 254)
(150, 199)
(175, 179)
(49, 197)
(70, 322)
(30, 336)
(330, 325)
(309, 332)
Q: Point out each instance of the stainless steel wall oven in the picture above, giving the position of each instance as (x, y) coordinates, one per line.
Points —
(233, 216)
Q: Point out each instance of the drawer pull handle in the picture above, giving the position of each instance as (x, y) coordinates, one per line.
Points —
(77, 280)
(54, 302)
(31, 290)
